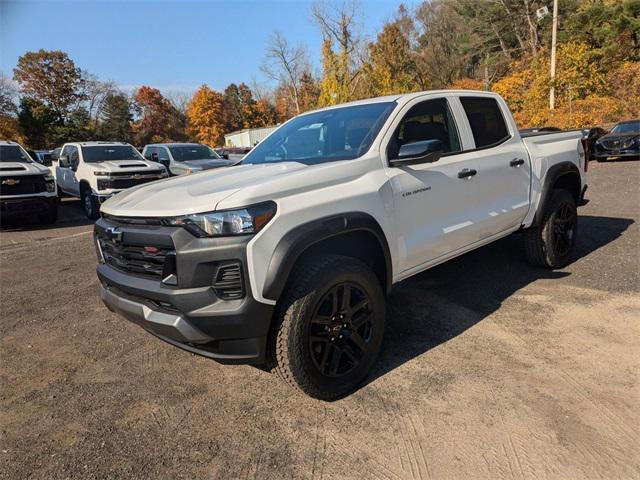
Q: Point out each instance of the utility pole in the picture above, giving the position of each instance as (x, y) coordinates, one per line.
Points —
(554, 33)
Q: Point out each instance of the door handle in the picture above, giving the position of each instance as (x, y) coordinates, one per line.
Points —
(516, 162)
(466, 173)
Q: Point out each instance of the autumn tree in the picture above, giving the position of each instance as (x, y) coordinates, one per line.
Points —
(158, 118)
(206, 117)
(35, 122)
(391, 65)
(9, 128)
(309, 92)
(340, 51)
(116, 118)
(52, 78)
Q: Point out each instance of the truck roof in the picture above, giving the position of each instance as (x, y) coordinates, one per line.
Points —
(404, 98)
(95, 143)
(173, 144)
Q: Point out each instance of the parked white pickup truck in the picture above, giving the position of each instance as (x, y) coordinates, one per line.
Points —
(95, 171)
(26, 186)
(286, 258)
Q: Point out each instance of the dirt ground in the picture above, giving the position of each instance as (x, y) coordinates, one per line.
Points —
(490, 369)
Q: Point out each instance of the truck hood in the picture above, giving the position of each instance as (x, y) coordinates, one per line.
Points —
(124, 166)
(206, 164)
(15, 169)
(193, 193)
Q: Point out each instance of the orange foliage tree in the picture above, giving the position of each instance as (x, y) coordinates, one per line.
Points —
(206, 117)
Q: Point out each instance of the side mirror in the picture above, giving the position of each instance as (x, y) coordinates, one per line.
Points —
(64, 161)
(154, 157)
(46, 160)
(424, 151)
(225, 156)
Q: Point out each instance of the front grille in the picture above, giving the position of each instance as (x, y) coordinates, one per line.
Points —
(22, 185)
(228, 282)
(120, 183)
(612, 144)
(149, 261)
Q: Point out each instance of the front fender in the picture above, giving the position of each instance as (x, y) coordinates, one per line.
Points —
(295, 242)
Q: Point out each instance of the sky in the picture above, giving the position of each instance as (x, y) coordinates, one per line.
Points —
(172, 45)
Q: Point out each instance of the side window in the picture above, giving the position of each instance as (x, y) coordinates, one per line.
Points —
(73, 154)
(163, 154)
(428, 120)
(66, 151)
(148, 151)
(486, 121)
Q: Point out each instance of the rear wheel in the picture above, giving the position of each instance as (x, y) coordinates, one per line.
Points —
(551, 244)
(329, 326)
(90, 204)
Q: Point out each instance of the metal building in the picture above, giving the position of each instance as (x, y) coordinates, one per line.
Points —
(247, 137)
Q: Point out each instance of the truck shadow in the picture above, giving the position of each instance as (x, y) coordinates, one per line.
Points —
(436, 306)
(70, 214)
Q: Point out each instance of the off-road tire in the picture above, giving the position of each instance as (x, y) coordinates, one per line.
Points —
(290, 351)
(90, 204)
(541, 245)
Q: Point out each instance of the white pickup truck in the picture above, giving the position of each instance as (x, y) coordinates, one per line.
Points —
(26, 186)
(95, 171)
(286, 258)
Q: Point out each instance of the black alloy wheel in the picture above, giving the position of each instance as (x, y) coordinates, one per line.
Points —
(340, 330)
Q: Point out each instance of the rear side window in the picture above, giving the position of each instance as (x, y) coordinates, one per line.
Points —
(486, 121)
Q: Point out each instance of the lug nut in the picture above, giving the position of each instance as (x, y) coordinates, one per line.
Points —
(333, 338)
(340, 336)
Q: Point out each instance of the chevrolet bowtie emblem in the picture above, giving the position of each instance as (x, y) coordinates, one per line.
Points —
(10, 181)
(137, 176)
(114, 234)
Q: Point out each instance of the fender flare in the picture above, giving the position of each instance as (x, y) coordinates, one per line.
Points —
(295, 242)
(553, 174)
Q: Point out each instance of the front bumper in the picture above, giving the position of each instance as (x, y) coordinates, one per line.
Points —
(188, 313)
(27, 205)
(600, 152)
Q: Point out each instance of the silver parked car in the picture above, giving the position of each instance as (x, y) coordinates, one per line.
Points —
(185, 158)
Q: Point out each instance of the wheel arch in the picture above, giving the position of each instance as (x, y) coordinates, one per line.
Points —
(354, 234)
(564, 175)
(84, 185)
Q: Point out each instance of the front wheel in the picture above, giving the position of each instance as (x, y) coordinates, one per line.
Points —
(329, 326)
(551, 244)
(90, 205)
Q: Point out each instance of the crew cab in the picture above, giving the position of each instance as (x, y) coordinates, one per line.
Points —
(95, 171)
(26, 186)
(184, 158)
(285, 259)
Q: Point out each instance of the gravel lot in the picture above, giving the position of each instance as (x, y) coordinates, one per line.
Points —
(490, 369)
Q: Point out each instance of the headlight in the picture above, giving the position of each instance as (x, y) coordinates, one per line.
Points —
(50, 183)
(101, 174)
(631, 142)
(223, 223)
(104, 184)
(163, 173)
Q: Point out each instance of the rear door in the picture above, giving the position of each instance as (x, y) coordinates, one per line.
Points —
(502, 182)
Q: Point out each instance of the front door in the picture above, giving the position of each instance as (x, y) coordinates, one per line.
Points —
(434, 202)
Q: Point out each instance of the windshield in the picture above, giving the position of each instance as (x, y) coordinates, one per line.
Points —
(185, 153)
(110, 152)
(630, 127)
(337, 134)
(13, 153)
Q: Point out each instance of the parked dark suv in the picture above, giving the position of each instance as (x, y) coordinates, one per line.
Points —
(623, 141)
